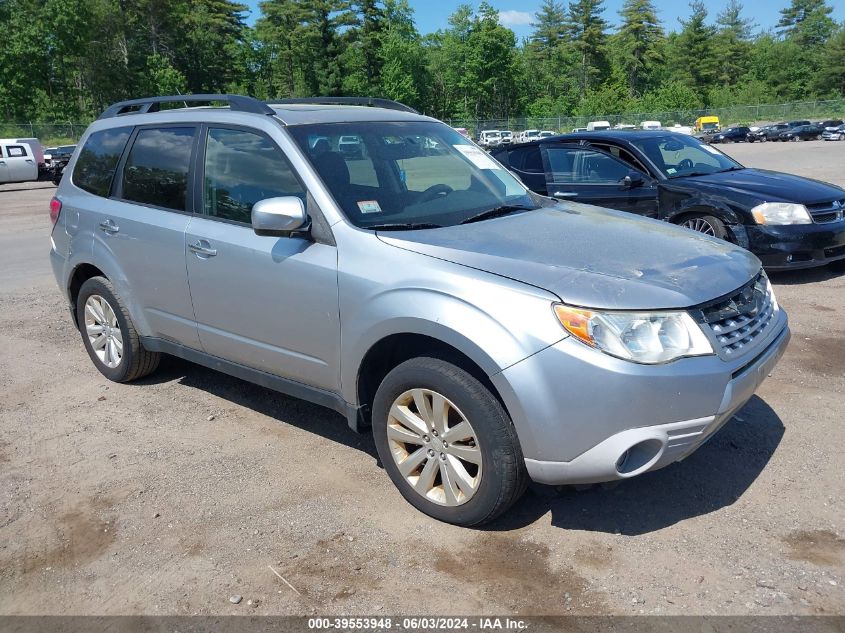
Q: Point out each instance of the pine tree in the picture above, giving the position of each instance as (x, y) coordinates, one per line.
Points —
(587, 29)
(640, 38)
(694, 56)
(808, 22)
(732, 44)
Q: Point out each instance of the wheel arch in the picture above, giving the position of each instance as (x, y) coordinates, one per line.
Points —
(394, 349)
(82, 273)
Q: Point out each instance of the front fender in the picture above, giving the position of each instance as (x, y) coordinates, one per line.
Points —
(493, 320)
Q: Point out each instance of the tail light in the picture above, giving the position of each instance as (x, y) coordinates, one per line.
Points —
(55, 210)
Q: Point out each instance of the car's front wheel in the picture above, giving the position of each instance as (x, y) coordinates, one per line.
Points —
(109, 335)
(707, 224)
(447, 443)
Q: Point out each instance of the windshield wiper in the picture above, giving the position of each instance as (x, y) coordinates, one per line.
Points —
(731, 169)
(403, 226)
(496, 212)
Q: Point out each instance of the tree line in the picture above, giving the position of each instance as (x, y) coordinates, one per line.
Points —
(65, 60)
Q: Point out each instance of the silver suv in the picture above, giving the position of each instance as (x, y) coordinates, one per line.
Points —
(487, 335)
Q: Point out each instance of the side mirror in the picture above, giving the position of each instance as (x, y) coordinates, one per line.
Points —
(633, 179)
(278, 217)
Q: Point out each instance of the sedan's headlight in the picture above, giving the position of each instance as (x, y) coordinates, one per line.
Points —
(641, 337)
(781, 213)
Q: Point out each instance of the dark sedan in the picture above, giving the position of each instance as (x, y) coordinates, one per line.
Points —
(786, 220)
(802, 133)
(732, 135)
(768, 132)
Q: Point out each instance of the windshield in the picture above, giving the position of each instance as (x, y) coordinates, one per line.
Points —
(408, 173)
(679, 155)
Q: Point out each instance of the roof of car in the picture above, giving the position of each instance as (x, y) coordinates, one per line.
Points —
(304, 114)
(603, 135)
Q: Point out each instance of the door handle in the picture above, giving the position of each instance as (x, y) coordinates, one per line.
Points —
(108, 226)
(203, 249)
(29, 160)
(564, 194)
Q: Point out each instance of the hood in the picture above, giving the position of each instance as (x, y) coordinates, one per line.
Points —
(770, 186)
(592, 257)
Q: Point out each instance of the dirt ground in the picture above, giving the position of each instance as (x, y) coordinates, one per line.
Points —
(170, 495)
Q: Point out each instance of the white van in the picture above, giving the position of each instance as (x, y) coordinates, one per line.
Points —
(595, 126)
(650, 125)
(18, 161)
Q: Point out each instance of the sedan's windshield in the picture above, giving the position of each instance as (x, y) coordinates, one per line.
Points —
(408, 174)
(679, 155)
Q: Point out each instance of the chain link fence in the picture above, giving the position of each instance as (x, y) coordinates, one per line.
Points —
(68, 133)
(50, 134)
(735, 115)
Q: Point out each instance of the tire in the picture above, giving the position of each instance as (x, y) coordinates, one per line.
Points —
(492, 485)
(123, 357)
(794, 139)
(705, 223)
(818, 137)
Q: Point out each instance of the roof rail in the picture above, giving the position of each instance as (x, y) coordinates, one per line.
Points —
(153, 104)
(374, 102)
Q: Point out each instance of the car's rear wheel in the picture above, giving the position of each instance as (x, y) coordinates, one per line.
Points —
(707, 224)
(109, 335)
(447, 443)
(794, 139)
(818, 137)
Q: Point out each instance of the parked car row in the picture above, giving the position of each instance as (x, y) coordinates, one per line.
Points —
(798, 130)
(484, 333)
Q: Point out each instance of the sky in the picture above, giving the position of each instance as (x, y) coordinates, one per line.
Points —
(432, 15)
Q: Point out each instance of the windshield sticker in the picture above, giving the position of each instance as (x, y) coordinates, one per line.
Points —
(477, 157)
(712, 150)
(369, 206)
(671, 170)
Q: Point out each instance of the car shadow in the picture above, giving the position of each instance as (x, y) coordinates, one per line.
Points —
(713, 477)
(281, 408)
(807, 275)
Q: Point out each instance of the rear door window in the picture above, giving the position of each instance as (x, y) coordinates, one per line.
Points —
(98, 159)
(577, 165)
(156, 170)
(16, 151)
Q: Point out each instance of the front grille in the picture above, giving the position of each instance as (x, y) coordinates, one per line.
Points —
(827, 211)
(737, 322)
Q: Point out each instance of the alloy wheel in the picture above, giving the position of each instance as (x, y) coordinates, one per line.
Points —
(434, 447)
(103, 331)
(699, 224)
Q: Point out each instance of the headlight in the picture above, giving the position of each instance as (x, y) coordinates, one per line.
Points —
(641, 337)
(781, 213)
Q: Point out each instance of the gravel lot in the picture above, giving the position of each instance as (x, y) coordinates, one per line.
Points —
(170, 495)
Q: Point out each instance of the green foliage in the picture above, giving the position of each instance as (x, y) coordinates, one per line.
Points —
(66, 60)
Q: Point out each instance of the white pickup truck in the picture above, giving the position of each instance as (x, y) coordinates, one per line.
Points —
(18, 161)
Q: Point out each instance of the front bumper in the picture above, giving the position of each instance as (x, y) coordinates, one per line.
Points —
(585, 417)
(798, 245)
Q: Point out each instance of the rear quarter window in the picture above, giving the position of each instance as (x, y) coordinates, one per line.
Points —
(98, 159)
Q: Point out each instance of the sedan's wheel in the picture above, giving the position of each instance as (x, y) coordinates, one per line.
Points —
(447, 443)
(818, 137)
(707, 224)
(434, 446)
(109, 334)
(794, 139)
